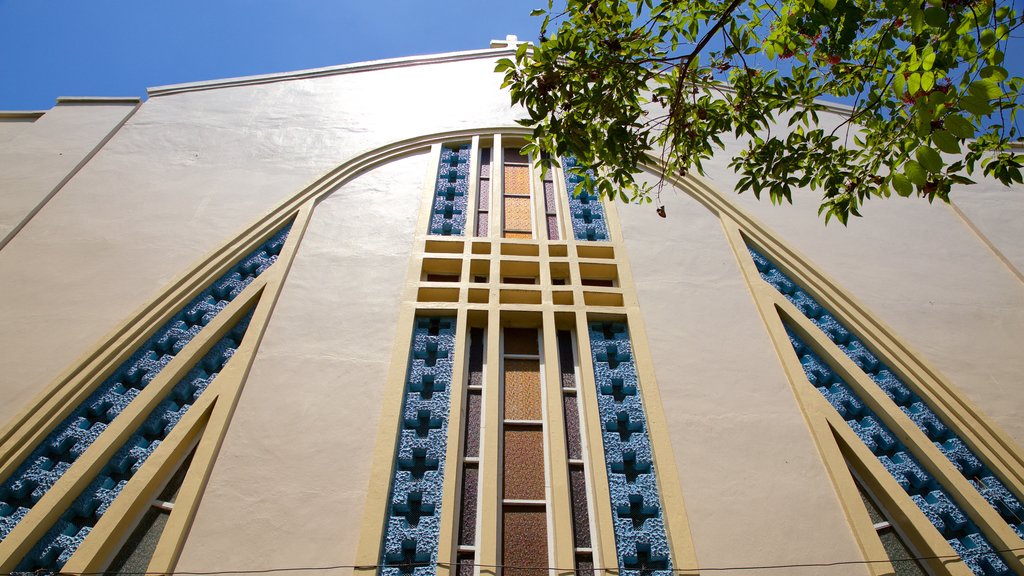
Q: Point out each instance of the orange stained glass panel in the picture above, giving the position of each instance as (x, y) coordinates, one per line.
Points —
(524, 235)
(524, 463)
(517, 215)
(524, 541)
(517, 180)
(522, 390)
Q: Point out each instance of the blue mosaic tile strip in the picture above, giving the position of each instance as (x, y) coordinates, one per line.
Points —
(55, 548)
(585, 209)
(640, 539)
(413, 531)
(950, 520)
(451, 191)
(55, 455)
(959, 454)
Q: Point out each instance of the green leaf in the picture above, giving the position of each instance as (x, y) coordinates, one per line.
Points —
(986, 89)
(830, 4)
(914, 83)
(899, 84)
(994, 73)
(537, 12)
(946, 142)
(915, 173)
(959, 126)
(975, 105)
(927, 80)
(902, 185)
(929, 159)
(936, 17)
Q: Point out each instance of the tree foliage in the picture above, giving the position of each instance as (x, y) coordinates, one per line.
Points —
(612, 81)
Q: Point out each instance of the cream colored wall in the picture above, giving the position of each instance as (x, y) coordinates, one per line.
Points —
(37, 156)
(925, 273)
(290, 482)
(997, 212)
(184, 176)
(755, 489)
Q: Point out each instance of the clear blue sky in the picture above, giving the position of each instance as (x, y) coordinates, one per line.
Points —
(51, 48)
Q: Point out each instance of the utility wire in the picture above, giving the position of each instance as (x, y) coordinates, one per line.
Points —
(413, 565)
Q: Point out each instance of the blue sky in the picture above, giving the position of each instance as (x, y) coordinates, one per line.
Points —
(51, 48)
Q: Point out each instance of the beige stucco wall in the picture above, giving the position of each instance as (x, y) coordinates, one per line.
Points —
(182, 177)
(298, 452)
(755, 489)
(38, 156)
(924, 272)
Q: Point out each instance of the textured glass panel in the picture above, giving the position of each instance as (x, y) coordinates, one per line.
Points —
(521, 235)
(584, 564)
(873, 512)
(513, 156)
(524, 463)
(580, 517)
(485, 195)
(565, 359)
(476, 356)
(136, 553)
(897, 551)
(521, 341)
(524, 541)
(485, 163)
(467, 519)
(466, 561)
(517, 180)
(473, 423)
(517, 213)
(170, 492)
(522, 390)
(549, 196)
(572, 426)
(482, 224)
(552, 227)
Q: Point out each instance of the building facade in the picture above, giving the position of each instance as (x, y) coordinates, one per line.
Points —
(333, 321)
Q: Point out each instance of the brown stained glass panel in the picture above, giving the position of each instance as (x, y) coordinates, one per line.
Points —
(485, 194)
(482, 223)
(566, 363)
(521, 235)
(524, 543)
(485, 163)
(467, 519)
(517, 214)
(549, 197)
(473, 423)
(513, 156)
(584, 564)
(521, 341)
(580, 516)
(476, 356)
(524, 463)
(466, 561)
(522, 390)
(572, 426)
(552, 227)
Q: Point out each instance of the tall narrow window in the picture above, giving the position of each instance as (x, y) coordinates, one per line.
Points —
(550, 210)
(471, 452)
(518, 220)
(483, 195)
(896, 548)
(577, 464)
(524, 512)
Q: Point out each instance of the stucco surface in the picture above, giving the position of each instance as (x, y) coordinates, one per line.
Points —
(36, 156)
(924, 273)
(295, 465)
(755, 489)
(182, 176)
(998, 213)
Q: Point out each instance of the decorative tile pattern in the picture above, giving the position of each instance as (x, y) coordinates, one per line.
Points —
(956, 450)
(585, 209)
(640, 538)
(70, 439)
(413, 527)
(950, 520)
(451, 191)
(55, 548)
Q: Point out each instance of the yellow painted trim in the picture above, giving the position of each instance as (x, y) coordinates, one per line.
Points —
(560, 536)
(450, 499)
(489, 498)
